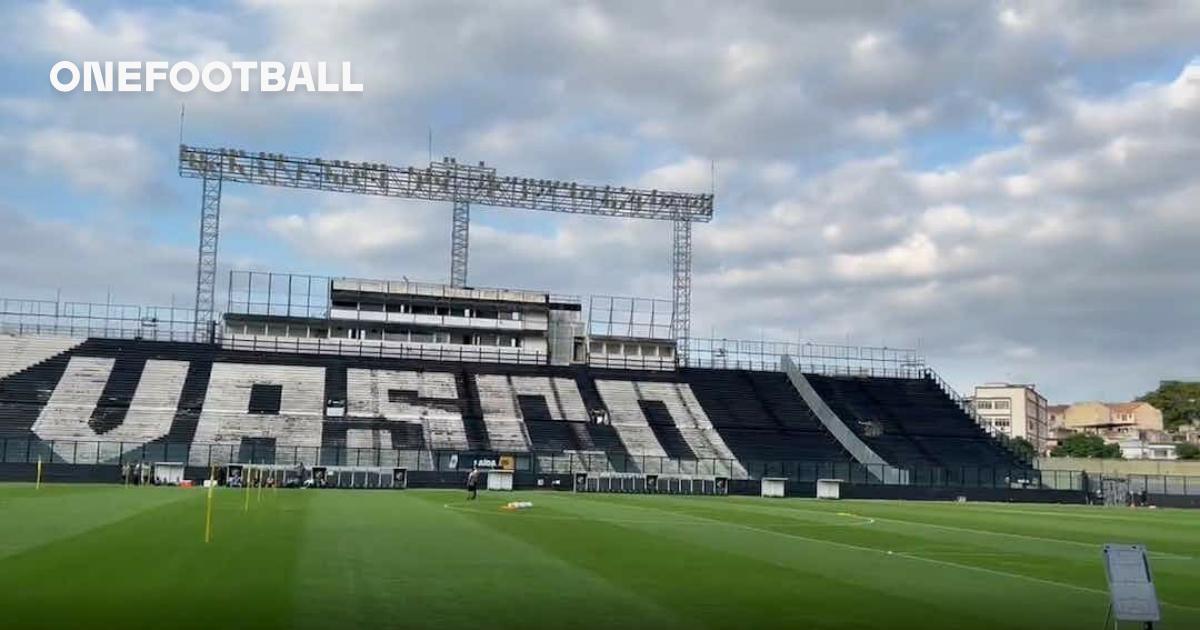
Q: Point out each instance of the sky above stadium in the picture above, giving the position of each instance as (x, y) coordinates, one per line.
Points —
(1012, 187)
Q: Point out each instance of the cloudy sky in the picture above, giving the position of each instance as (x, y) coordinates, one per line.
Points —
(1010, 186)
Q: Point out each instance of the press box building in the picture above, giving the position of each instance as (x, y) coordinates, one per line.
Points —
(435, 321)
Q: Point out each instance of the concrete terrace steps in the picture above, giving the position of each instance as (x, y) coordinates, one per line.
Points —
(19, 353)
(427, 399)
(910, 422)
(497, 399)
(761, 417)
(117, 397)
(225, 419)
(30, 367)
(191, 401)
(709, 414)
(555, 435)
(71, 410)
(626, 418)
(472, 412)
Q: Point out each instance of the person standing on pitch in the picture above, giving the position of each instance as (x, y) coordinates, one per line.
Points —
(472, 483)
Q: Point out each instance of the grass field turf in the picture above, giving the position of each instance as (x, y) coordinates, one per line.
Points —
(104, 556)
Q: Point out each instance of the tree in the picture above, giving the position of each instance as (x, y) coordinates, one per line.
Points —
(1187, 450)
(1178, 401)
(1022, 447)
(1086, 445)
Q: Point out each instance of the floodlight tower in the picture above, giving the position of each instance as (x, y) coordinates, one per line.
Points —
(461, 185)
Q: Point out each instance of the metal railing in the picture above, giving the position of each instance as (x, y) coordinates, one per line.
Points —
(873, 372)
(632, 317)
(762, 355)
(18, 451)
(310, 296)
(1173, 485)
(965, 405)
(279, 297)
(113, 453)
(367, 349)
(95, 319)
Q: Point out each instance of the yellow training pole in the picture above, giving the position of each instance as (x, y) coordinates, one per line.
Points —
(246, 472)
(208, 512)
(37, 485)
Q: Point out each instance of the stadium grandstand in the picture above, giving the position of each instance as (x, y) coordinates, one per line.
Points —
(419, 382)
(347, 373)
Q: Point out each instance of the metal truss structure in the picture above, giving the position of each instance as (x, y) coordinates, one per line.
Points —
(206, 263)
(460, 230)
(681, 265)
(462, 185)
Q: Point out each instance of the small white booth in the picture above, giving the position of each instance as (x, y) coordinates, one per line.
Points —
(774, 487)
(829, 488)
(499, 479)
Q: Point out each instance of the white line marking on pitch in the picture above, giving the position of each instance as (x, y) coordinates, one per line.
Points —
(604, 519)
(908, 555)
(558, 517)
(1062, 541)
(1089, 514)
(792, 514)
(969, 567)
(1059, 541)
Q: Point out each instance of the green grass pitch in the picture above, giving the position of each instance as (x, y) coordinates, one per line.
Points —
(113, 557)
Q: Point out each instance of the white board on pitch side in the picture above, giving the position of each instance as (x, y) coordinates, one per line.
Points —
(1130, 583)
(500, 480)
(773, 486)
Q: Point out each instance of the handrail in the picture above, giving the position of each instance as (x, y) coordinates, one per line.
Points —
(844, 435)
(965, 405)
(364, 348)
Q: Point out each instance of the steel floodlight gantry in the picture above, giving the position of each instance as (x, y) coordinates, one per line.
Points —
(460, 184)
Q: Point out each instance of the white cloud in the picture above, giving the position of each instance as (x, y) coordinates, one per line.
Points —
(916, 257)
(878, 126)
(63, 30)
(1014, 20)
(367, 230)
(947, 219)
(88, 261)
(113, 163)
(689, 175)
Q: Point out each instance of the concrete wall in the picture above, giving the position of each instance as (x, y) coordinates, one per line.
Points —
(1120, 466)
